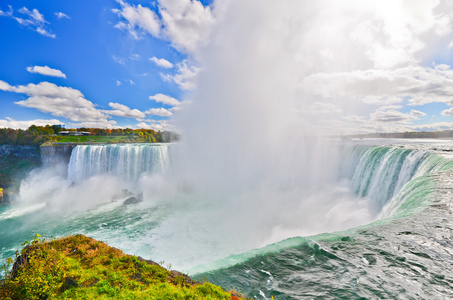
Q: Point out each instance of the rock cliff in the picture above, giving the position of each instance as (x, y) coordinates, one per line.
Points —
(54, 154)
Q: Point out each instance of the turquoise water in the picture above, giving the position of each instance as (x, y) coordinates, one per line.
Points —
(405, 255)
(402, 249)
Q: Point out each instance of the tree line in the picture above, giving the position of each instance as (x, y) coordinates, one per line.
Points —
(37, 135)
(408, 135)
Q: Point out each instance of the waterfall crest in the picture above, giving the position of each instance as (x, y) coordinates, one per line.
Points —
(380, 173)
(127, 161)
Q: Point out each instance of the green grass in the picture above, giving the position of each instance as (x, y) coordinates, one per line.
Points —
(79, 267)
(93, 139)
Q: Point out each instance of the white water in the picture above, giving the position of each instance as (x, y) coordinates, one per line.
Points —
(380, 173)
(177, 221)
(127, 161)
(179, 224)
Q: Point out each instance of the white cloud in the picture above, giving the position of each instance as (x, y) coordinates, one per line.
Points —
(417, 113)
(390, 107)
(47, 89)
(59, 101)
(11, 123)
(420, 85)
(162, 112)
(7, 14)
(118, 60)
(187, 23)
(154, 125)
(118, 83)
(74, 109)
(395, 116)
(131, 82)
(450, 45)
(143, 125)
(61, 15)
(353, 124)
(164, 99)
(121, 110)
(433, 126)
(70, 103)
(44, 32)
(185, 76)
(161, 62)
(175, 108)
(34, 14)
(4, 86)
(46, 71)
(97, 124)
(34, 20)
(139, 19)
(134, 56)
(447, 112)
(383, 119)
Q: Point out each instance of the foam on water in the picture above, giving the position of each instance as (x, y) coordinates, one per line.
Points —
(18, 211)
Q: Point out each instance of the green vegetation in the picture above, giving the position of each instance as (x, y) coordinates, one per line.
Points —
(79, 267)
(92, 139)
(38, 135)
(29, 137)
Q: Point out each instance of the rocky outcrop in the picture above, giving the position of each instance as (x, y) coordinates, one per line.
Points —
(134, 200)
(19, 151)
(37, 274)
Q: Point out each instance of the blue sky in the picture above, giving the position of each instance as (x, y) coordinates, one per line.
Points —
(103, 62)
(356, 66)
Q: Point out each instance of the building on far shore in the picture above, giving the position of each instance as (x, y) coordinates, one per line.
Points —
(75, 133)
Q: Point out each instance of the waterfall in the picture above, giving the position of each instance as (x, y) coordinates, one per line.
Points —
(127, 161)
(380, 173)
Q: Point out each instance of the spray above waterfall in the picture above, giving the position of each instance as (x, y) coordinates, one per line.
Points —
(267, 96)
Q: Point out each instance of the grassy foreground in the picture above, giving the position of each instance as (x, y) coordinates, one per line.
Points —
(79, 267)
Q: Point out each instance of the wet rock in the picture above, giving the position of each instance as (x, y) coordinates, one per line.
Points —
(21, 260)
(124, 193)
(69, 282)
(187, 280)
(149, 262)
(132, 200)
(173, 274)
(19, 151)
(53, 154)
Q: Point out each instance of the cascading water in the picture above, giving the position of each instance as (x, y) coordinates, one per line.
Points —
(402, 255)
(379, 173)
(174, 224)
(127, 161)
